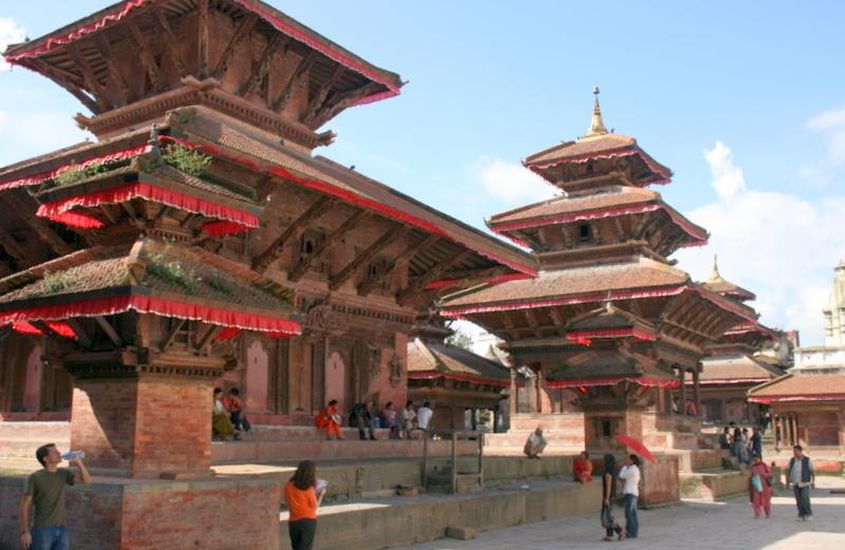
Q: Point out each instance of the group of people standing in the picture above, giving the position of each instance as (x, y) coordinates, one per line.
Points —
(366, 417)
(629, 473)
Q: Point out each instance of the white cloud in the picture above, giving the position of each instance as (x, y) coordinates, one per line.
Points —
(728, 179)
(10, 33)
(827, 120)
(831, 124)
(511, 181)
(782, 247)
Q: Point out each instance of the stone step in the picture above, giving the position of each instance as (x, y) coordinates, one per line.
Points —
(34, 430)
(715, 485)
(404, 521)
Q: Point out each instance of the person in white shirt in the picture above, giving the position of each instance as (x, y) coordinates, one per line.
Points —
(630, 475)
(424, 415)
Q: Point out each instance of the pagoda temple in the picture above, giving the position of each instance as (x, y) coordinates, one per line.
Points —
(610, 326)
(736, 364)
(200, 241)
(808, 402)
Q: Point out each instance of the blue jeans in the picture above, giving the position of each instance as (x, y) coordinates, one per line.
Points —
(632, 524)
(802, 499)
(49, 538)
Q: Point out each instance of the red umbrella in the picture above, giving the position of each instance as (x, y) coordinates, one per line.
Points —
(636, 446)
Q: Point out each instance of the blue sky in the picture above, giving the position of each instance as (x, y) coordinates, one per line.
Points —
(759, 86)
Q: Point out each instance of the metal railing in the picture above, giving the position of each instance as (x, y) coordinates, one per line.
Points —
(454, 436)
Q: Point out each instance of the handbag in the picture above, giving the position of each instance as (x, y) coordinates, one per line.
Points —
(757, 483)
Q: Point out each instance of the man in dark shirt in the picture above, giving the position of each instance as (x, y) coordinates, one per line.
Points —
(45, 490)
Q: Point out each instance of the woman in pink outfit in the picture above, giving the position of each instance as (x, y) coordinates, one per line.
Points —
(760, 487)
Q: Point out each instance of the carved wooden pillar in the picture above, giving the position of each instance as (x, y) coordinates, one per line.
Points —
(696, 390)
(683, 400)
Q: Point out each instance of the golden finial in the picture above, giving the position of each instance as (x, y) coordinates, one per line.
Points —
(715, 276)
(596, 124)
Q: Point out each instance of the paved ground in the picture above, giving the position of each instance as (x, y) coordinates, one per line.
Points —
(691, 525)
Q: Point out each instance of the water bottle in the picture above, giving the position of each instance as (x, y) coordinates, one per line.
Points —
(73, 455)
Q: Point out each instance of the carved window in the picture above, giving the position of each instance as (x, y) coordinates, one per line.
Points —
(309, 243)
(584, 232)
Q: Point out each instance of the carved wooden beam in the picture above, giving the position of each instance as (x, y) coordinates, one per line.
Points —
(202, 38)
(90, 79)
(67, 83)
(170, 40)
(367, 286)
(204, 344)
(242, 32)
(327, 245)
(104, 46)
(620, 232)
(82, 337)
(390, 236)
(557, 320)
(106, 327)
(264, 63)
(532, 322)
(317, 209)
(168, 340)
(419, 284)
(145, 55)
(11, 246)
(320, 97)
(341, 102)
(41, 227)
(296, 81)
(685, 328)
(648, 226)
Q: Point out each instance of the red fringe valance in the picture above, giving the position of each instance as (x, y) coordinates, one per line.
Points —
(141, 189)
(641, 380)
(459, 377)
(76, 219)
(498, 279)
(38, 179)
(223, 227)
(59, 327)
(589, 335)
(228, 333)
(275, 327)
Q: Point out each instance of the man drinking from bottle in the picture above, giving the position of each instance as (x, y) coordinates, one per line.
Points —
(45, 490)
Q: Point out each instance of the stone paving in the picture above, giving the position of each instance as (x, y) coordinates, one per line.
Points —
(690, 525)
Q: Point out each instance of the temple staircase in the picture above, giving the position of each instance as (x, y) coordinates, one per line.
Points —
(563, 431)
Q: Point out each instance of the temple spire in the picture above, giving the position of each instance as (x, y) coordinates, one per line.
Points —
(596, 124)
(715, 276)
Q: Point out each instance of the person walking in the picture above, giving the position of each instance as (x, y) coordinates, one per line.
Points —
(608, 491)
(801, 475)
(630, 475)
(303, 500)
(45, 491)
(760, 487)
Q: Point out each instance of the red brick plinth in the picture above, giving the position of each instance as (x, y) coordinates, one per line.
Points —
(230, 512)
(146, 425)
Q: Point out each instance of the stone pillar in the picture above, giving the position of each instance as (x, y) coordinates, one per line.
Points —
(696, 390)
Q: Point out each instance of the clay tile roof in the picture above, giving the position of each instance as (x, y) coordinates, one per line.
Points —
(735, 368)
(597, 279)
(612, 198)
(169, 269)
(579, 148)
(608, 318)
(727, 288)
(438, 357)
(795, 385)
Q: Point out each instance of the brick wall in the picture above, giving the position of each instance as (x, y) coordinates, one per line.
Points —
(143, 426)
(216, 514)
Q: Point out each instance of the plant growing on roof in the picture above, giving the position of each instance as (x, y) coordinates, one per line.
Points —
(219, 285)
(76, 173)
(55, 282)
(170, 271)
(189, 161)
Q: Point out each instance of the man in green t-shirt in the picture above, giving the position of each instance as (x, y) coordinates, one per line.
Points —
(45, 490)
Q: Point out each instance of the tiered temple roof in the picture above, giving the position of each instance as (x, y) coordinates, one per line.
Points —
(605, 240)
(429, 360)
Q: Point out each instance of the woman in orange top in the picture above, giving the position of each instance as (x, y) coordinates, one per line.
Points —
(328, 420)
(302, 500)
(582, 469)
